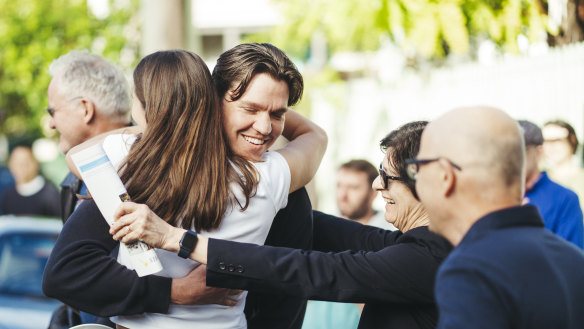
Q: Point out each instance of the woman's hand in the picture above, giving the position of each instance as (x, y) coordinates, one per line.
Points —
(137, 222)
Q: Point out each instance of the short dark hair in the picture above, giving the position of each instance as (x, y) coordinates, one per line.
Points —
(237, 66)
(531, 133)
(363, 166)
(572, 138)
(404, 143)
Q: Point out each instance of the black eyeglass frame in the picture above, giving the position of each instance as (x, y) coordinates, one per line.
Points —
(51, 111)
(385, 177)
(413, 165)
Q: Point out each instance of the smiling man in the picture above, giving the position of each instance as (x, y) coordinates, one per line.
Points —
(256, 84)
(254, 121)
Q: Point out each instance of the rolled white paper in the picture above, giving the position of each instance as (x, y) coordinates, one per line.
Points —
(108, 191)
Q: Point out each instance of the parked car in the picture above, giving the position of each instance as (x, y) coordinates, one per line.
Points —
(25, 245)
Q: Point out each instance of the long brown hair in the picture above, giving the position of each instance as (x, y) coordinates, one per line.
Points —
(180, 166)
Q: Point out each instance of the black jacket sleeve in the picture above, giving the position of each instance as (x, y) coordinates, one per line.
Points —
(292, 227)
(81, 273)
(337, 234)
(402, 273)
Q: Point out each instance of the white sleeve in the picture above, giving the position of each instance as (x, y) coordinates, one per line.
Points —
(117, 148)
(275, 172)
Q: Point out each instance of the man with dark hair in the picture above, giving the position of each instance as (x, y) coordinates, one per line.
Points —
(247, 78)
(559, 207)
(238, 66)
(506, 270)
(257, 83)
(355, 195)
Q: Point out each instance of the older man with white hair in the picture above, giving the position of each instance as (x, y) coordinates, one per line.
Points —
(87, 96)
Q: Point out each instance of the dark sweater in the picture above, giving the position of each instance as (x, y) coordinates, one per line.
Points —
(43, 203)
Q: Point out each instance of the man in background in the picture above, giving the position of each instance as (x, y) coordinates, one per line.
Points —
(559, 207)
(31, 194)
(355, 195)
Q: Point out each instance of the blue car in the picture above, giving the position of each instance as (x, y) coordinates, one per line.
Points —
(25, 245)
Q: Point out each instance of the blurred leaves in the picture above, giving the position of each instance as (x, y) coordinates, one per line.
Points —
(430, 28)
(35, 32)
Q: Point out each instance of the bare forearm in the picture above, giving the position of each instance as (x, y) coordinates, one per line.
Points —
(306, 148)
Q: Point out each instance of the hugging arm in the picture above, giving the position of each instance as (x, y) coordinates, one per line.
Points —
(132, 130)
(389, 275)
(81, 273)
(306, 148)
(348, 235)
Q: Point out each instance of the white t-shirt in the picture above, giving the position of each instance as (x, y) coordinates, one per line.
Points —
(250, 226)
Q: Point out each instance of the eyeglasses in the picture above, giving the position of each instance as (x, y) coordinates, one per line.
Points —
(413, 166)
(51, 110)
(385, 177)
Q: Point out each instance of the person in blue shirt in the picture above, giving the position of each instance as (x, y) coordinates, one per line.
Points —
(559, 206)
(506, 270)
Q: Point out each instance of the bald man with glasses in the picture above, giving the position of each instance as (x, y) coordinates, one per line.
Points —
(506, 270)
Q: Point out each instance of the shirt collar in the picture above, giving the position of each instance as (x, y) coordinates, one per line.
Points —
(543, 178)
(32, 187)
(509, 217)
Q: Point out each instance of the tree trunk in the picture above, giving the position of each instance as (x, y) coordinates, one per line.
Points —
(163, 25)
(572, 26)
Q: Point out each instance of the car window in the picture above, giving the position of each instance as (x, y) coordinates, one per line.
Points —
(23, 257)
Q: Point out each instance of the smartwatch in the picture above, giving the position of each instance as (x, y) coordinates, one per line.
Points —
(187, 244)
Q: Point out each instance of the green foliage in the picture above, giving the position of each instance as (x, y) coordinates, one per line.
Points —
(430, 28)
(35, 32)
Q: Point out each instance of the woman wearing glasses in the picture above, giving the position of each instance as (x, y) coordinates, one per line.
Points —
(392, 272)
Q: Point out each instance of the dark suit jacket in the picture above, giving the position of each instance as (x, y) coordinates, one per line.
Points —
(392, 272)
(70, 186)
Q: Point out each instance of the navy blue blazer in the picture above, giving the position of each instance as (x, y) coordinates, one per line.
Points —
(392, 272)
(509, 272)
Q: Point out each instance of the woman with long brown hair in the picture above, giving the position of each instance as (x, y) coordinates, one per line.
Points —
(182, 167)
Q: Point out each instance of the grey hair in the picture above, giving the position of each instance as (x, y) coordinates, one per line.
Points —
(94, 77)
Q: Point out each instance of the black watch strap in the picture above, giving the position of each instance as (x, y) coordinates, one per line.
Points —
(187, 244)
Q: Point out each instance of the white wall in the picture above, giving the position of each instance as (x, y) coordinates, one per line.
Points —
(358, 114)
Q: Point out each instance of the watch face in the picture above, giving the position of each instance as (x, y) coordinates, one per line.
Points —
(188, 241)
